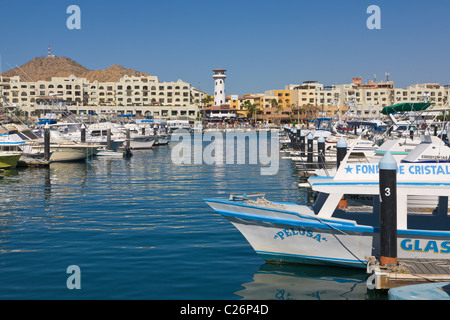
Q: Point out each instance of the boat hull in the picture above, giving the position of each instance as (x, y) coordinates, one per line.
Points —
(68, 153)
(140, 144)
(9, 160)
(290, 237)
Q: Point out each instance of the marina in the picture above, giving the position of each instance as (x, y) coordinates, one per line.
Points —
(122, 222)
(118, 184)
(135, 164)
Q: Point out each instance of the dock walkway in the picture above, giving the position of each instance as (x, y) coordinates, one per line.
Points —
(408, 272)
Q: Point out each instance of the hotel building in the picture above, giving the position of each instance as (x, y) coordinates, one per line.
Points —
(141, 96)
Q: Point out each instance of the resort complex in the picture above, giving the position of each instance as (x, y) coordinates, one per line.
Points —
(145, 95)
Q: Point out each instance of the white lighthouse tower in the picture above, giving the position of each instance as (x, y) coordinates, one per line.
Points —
(219, 86)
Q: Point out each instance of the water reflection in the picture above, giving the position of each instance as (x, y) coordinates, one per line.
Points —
(304, 282)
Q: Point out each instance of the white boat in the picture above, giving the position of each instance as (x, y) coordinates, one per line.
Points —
(93, 134)
(103, 152)
(66, 152)
(141, 142)
(330, 234)
(425, 149)
(178, 124)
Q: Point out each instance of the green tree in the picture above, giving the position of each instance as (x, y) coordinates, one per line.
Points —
(207, 99)
(251, 108)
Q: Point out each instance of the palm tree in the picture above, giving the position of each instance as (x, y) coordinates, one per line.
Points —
(279, 109)
(299, 110)
(207, 99)
(274, 104)
(252, 109)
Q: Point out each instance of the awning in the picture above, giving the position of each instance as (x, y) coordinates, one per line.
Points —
(405, 107)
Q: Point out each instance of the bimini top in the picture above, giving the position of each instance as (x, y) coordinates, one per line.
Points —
(405, 107)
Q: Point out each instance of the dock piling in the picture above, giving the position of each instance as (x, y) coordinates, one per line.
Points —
(108, 139)
(341, 147)
(294, 139)
(47, 142)
(321, 152)
(310, 149)
(128, 144)
(388, 210)
(83, 133)
(302, 143)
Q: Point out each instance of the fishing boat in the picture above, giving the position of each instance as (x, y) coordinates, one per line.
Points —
(92, 134)
(18, 143)
(332, 233)
(423, 149)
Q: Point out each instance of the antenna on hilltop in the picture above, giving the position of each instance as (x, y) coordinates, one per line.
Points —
(50, 55)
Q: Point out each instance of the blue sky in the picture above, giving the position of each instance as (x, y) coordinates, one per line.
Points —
(263, 44)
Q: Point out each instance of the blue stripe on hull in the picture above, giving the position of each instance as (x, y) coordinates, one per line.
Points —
(322, 261)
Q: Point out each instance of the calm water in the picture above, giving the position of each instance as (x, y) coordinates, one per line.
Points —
(138, 228)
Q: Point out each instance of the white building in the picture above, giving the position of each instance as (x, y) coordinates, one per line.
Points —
(219, 86)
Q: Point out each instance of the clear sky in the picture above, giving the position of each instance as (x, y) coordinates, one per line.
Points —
(264, 44)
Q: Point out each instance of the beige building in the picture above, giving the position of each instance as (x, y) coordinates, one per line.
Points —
(130, 95)
(431, 92)
(146, 95)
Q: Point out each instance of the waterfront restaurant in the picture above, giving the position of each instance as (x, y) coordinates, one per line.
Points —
(219, 113)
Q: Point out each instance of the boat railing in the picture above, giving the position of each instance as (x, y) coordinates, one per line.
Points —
(309, 168)
(242, 197)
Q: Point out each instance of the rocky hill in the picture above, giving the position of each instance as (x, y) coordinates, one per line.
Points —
(44, 68)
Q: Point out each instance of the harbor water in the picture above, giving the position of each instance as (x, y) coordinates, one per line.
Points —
(138, 228)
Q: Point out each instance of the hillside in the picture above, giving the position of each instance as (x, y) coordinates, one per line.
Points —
(44, 68)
